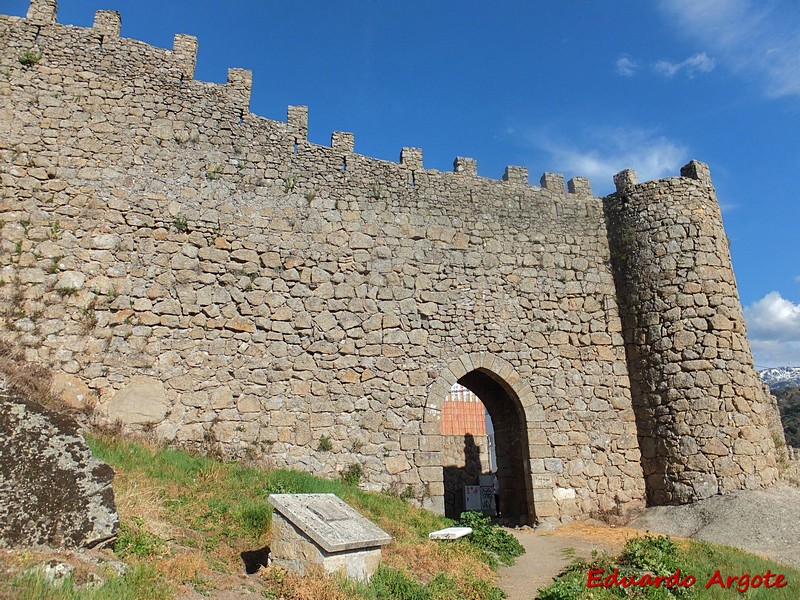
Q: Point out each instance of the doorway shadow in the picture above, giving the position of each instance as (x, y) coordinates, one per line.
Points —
(464, 469)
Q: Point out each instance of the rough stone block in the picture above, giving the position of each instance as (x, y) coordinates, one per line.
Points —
(342, 142)
(108, 23)
(42, 12)
(143, 401)
(465, 166)
(516, 174)
(297, 119)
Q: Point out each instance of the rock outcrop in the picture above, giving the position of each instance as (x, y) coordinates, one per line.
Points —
(53, 492)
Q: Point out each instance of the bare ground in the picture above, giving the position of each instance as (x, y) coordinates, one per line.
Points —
(548, 552)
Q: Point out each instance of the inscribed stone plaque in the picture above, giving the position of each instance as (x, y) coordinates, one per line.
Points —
(542, 481)
(329, 521)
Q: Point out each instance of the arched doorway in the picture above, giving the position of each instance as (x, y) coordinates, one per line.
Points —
(510, 439)
(499, 388)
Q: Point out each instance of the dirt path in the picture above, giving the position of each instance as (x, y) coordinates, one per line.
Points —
(548, 552)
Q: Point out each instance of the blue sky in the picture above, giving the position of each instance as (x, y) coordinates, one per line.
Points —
(581, 88)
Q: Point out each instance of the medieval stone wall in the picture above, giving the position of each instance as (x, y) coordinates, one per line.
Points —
(213, 276)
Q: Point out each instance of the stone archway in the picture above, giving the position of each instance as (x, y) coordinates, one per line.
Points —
(505, 396)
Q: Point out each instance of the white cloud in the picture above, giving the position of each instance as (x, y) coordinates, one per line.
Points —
(773, 328)
(697, 63)
(770, 353)
(607, 151)
(626, 66)
(755, 39)
(797, 279)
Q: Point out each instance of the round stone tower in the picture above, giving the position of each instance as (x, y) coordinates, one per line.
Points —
(703, 417)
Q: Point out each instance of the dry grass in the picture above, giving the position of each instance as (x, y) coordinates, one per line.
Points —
(25, 379)
(135, 497)
(427, 559)
(314, 586)
(615, 536)
(186, 567)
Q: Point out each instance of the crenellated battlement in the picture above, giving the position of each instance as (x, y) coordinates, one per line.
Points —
(181, 60)
(184, 50)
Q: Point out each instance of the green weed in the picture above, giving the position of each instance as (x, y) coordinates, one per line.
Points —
(55, 230)
(66, 291)
(352, 474)
(28, 58)
(180, 224)
(289, 184)
(135, 541)
(499, 546)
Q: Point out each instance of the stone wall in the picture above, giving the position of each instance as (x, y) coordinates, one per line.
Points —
(703, 416)
(213, 276)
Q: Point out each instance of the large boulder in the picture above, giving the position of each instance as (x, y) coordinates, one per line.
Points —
(53, 492)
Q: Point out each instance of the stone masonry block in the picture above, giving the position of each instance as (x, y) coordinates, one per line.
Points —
(342, 142)
(625, 180)
(297, 119)
(108, 23)
(411, 158)
(465, 166)
(43, 12)
(553, 182)
(696, 170)
(579, 185)
(184, 50)
(240, 83)
(516, 174)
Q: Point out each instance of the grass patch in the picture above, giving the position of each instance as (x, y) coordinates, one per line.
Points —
(28, 58)
(189, 517)
(651, 556)
(140, 582)
(133, 540)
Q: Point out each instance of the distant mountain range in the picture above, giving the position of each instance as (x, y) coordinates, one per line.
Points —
(779, 378)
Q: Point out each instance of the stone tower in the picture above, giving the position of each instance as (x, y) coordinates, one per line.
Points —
(702, 415)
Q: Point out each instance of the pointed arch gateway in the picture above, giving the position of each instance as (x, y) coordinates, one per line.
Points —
(525, 495)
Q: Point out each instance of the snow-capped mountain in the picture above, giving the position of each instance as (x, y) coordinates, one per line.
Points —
(779, 378)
